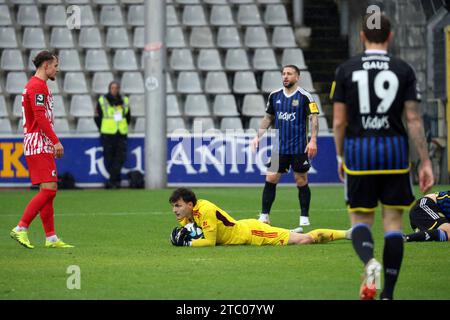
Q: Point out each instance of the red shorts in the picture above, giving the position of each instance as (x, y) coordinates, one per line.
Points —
(42, 168)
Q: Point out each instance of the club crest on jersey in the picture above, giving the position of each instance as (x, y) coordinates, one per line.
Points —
(295, 103)
(40, 100)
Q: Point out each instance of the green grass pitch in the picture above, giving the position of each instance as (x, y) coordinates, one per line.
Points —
(123, 251)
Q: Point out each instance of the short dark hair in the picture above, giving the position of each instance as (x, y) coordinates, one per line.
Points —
(185, 194)
(377, 35)
(43, 56)
(293, 66)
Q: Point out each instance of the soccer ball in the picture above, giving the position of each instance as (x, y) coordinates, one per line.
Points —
(195, 232)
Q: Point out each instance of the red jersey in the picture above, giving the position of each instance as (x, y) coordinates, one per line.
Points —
(37, 112)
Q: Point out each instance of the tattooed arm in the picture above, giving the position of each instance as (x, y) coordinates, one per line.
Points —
(311, 147)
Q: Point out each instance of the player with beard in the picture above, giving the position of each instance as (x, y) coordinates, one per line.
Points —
(290, 109)
(41, 146)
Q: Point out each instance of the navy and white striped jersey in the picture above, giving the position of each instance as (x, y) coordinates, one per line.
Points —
(443, 202)
(375, 86)
(291, 118)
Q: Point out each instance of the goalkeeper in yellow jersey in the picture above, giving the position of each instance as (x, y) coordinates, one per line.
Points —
(219, 228)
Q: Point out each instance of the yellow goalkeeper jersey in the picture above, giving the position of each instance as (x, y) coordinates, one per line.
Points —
(219, 228)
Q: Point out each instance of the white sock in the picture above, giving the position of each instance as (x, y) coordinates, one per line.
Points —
(264, 216)
(304, 220)
(19, 229)
(53, 238)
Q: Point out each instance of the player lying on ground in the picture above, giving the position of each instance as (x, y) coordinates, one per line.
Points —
(430, 218)
(219, 228)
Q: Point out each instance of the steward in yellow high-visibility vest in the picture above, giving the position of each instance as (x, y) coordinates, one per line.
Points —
(112, 118)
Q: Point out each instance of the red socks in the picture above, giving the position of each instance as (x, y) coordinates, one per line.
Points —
(42, 202)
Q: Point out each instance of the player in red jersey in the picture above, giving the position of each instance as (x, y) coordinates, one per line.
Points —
(41, 147)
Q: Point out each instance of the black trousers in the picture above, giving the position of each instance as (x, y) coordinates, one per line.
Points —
(114, 155)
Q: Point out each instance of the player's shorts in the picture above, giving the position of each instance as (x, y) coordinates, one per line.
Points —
(42, 168)
(262, 234)
(425, 215)
(364, 191)
(282, 162)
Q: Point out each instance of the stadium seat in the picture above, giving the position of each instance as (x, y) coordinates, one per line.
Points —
(132, 83)
(12, 60)
(264, 59)
(76, 1)
(138, 37)
(117, 37)
(135, 16)
(139, 126)
(253, 105)
(268, 1)
(169, 84)
(196, 106)
(256, 37)
(137, 105)
(101, 81)
(283, 37)
(323, 125)
(125, 60)
(306, 81)
(90, 38)
(174, 124)
(75, 83)
(228, 37)
(17, 107)
(194, 16)
(135, 1)
(181, 59)
(60, 37)
(211, 2)
(105, 1)
(254, 123)
(3, 108)
(248, 14)
(276, 15)
(202, 124)
(5, 126)
(317, 101)
(34, 38)
(236, 59)
(86, 125)
(171, 16)
(221, 16)
(61, 125)
(216, 83)
(81, 106)
(201, 37)
(175, 37)
(225, 106)
(69, 60)
(22, 1)
(232, 123)
(59, 108)
(8, 38)
(15, 82)
(5, 17)
(50, 1)
(28, 16)
(209, 60)
(111, 16)
(244, 82)
(295, 57)
(241, 1)
(55, 16)
(87, 16)
(53, 86)
(189, 82)
(271, 81)
(172, 106)
(96, 60)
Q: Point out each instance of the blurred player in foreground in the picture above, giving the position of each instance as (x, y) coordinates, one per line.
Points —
(219, 228)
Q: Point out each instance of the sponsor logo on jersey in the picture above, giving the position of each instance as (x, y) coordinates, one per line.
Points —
(375, 122)
(287, 116)
(40, 99)
(380, 65)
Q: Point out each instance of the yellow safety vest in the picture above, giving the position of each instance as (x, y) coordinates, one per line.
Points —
(109, 123)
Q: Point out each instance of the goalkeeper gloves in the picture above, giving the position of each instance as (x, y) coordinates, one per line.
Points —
(180, 237)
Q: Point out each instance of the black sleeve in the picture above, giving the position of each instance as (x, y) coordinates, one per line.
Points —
(269, 107)
(412, 88)
(98, 115)
(337, 93)
(128, 116)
